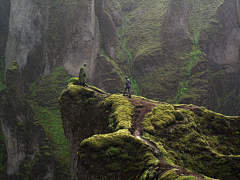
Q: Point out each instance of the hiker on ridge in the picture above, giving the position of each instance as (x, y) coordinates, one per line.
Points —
(82, 75)
(128, 82)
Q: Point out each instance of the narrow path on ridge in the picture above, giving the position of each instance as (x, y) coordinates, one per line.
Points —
(142, 107)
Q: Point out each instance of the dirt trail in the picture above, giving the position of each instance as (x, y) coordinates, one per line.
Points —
(142, 107)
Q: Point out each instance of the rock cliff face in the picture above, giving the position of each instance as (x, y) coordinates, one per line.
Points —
(175, 51)
(101, 129)
(4, 24)
(28, 153)
(23, 139)
(44, 35)
(181, 51)
(26, 37)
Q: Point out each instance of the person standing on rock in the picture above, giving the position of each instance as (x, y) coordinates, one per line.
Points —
(82, 75)
(128, 82)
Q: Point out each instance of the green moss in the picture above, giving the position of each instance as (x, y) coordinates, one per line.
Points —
(204, 143)
(97, 89)
(106, 155)
(76, 90)
(14, 66)
(74, 80)
(187, 178)
(98, 142)
(159, 118)
(122, 111)
(44, 101)
(45, 147)
(200, 15)
(149, 100)
(140, 41)
(137, 27)
(47, 154)
(194, 138)
(169, 175)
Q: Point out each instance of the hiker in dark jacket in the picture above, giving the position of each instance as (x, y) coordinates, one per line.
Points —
(128, 82)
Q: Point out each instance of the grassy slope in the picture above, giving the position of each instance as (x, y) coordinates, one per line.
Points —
(44, 100)
(143, 25)
(134, 38)
(140, 38)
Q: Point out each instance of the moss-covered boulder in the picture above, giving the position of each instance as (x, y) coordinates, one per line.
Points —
(115, 155)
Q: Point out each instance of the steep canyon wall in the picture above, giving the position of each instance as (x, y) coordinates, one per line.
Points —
(177, 51)
(181, 51)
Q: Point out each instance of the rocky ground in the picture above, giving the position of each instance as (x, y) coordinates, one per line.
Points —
(140, 138)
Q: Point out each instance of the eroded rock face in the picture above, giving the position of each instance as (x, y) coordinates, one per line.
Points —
(29, 154)
(105, 77)
(107, 28)
(221, 42)
(82, 38)
(159, 45)
(4, 23)
(83, 123)
(27, 25)
(57, 33)
(189, 54)
(23, 138)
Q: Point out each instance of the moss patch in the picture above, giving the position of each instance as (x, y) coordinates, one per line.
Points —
(160, 117)
(116, 152)
(122, 111)
(203, 141)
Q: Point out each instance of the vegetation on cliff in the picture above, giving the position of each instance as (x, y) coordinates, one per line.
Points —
(189, 139)
(44, 101)
(34, 123)
(165, 47)
(202, 141)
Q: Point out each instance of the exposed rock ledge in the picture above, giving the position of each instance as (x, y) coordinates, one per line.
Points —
(171, 142)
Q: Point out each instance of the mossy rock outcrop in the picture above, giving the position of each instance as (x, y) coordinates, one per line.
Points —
(189, 139)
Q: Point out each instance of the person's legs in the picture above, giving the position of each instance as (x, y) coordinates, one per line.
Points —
(129, 92)
(82, 84)
(124, 91)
